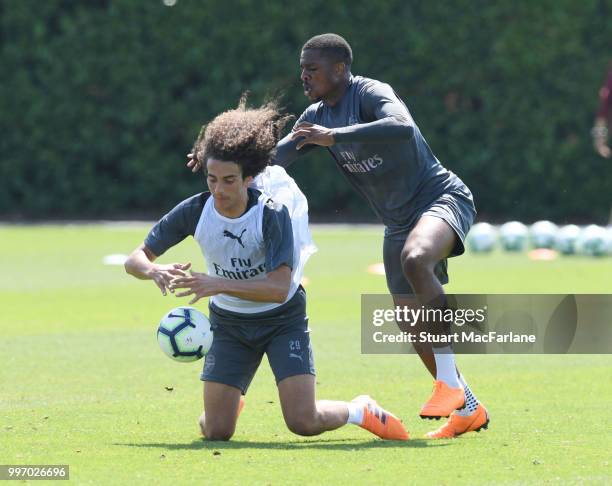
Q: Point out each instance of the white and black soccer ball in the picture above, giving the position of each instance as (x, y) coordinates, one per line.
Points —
(543, 234)
(567, 238)
(184, 334)
(593, 241)
(482, 238)
(514, 236)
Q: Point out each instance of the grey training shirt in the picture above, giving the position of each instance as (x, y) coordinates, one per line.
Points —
(381, 152)
(182, 221)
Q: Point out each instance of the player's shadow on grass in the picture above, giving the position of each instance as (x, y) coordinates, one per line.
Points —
(329, 444)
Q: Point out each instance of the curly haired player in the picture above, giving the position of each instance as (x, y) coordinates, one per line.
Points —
(256, 304)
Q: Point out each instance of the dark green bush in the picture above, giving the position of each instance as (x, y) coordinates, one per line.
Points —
(100, 100)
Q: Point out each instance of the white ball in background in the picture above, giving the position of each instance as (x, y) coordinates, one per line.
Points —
(593, 241)
(543, 234)
(567, 238)
(482, 238)
(514, 236)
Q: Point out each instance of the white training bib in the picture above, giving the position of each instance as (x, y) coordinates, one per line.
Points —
(234, 248)
(281, 187)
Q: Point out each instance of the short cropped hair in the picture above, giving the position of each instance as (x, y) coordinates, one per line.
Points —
(333, 46)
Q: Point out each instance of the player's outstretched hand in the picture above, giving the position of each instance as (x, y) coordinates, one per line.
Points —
(313, 134)
(193, 163)
(199, 284)
(162, 275)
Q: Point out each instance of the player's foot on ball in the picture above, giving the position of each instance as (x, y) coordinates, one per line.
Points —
(443, 401)
(379, 421)
(459, 424)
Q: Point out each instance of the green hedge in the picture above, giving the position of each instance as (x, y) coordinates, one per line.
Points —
(100, 100)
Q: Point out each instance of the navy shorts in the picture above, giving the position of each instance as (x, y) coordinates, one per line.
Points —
(457, 209)
(238, 348)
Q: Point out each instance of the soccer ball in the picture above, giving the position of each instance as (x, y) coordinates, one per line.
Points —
(593, 241)
(566, 239)
(184, 334)
(514, 236)
(543, 234)
(481, 238)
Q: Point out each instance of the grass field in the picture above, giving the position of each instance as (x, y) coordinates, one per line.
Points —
(83, 381)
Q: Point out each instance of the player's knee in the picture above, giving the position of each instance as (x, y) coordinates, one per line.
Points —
(415, 262)
(214, 431)
(218, 434)
(302, 425)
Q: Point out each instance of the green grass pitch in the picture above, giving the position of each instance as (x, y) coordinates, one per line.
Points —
(83, 382)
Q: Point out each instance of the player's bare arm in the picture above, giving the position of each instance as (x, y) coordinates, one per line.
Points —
(273, 288)
(141, 265)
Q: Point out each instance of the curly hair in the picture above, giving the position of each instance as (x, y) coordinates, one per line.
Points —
(245, 136)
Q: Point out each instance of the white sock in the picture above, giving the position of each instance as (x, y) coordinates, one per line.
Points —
(471, 402)
(445, 366)
(355, 413)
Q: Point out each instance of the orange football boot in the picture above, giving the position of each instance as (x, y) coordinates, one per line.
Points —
(379, 421)
(444, 401)
(459, 424)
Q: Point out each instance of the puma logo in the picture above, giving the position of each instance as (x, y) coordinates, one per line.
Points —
(229, 234)
(297, 356)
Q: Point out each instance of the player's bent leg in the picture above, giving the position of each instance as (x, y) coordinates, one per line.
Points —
(291, 358)
(222, 404)
(432, 240)
(305, 416)
(424, 350)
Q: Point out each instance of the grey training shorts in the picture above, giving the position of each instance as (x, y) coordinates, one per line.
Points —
(457, 209)
(239, 345)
